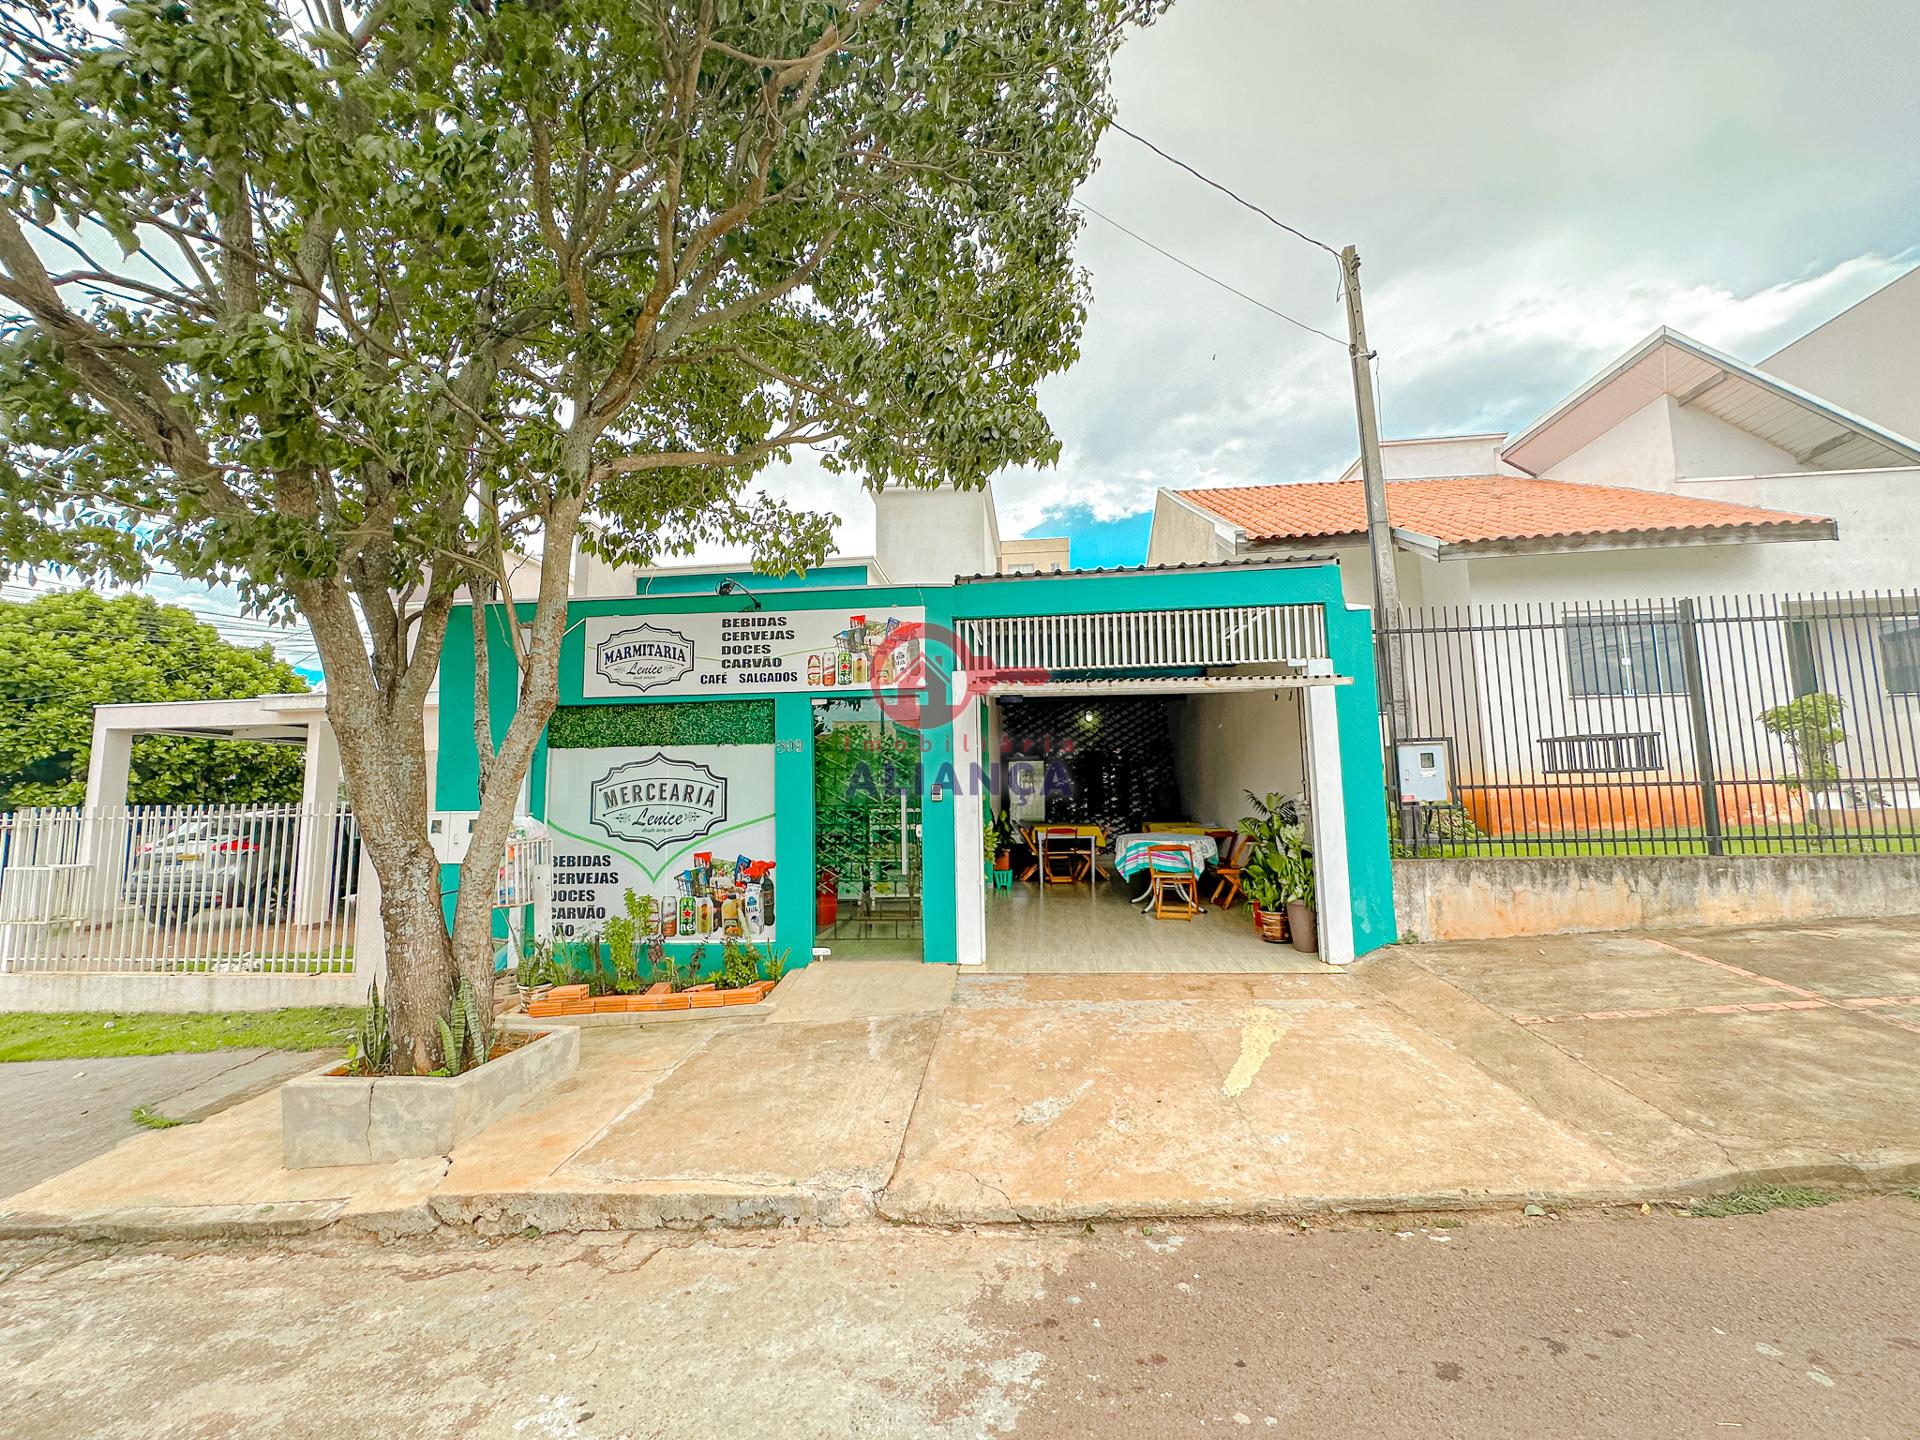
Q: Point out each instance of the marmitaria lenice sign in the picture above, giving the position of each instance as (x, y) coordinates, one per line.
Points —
(748, 652)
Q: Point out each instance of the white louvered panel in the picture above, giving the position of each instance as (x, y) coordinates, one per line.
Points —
(1153, 639)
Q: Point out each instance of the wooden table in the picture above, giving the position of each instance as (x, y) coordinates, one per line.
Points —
(1092, 837)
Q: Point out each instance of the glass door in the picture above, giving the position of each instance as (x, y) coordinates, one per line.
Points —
(866, 800)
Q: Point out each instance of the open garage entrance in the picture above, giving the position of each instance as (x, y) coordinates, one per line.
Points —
(1105, 784)
(1108, 771)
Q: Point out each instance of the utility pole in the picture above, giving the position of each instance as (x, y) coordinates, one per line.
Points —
(1386, 586)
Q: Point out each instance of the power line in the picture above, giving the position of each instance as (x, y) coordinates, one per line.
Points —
(1210, 279)
(1270, 218)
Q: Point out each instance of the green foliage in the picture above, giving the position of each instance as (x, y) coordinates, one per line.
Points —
(707, 722)
(1759, 1199)
(739, 965)
(411, 243)
(1292, 867)
(619, 934)
(148, 1118)
(1269, 873)
(536, 965)
(77, 1035)
(63, 654)
(1810, 726)
(464, 1032)
(372, 1052)
(777, 964)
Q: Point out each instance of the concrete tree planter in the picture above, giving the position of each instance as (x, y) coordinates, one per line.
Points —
(335, 1119)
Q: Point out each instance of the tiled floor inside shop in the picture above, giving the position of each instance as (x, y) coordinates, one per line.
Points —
(1086, 929)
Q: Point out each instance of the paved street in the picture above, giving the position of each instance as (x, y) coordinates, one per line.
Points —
(1787, 1324)
(85, 1106)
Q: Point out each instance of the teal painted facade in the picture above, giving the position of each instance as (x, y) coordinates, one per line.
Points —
(1349, 642)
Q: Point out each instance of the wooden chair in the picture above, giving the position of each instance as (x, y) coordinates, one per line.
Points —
(1226, 875)
(1175, 885)
(1063, 861)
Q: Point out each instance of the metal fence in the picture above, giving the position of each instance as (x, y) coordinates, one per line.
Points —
(253, 889)
(1719, 725)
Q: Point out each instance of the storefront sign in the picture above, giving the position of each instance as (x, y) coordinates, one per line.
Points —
(690, 825)
(749, 652)
(658, 800)
(644, 657)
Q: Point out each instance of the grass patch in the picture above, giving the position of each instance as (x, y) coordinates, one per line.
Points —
(148, 1118)
(85, 1036)
(1759, 1200)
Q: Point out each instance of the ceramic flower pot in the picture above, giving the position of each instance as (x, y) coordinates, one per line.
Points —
(1302, 921)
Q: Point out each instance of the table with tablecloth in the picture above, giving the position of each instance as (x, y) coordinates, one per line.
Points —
(1130, 851)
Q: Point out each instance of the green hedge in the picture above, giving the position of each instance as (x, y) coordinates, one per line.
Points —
(699, 722)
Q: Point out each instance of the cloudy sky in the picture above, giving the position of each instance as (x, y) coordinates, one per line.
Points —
(1532, 189)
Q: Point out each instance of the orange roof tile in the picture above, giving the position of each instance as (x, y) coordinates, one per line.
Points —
(1477, 509)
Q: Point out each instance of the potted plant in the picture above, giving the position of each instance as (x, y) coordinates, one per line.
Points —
(998, 842)
(1267, 828)
(1261, 886)
(1293, 868)
(535, 971)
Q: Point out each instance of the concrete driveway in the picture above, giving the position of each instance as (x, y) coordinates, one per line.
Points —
(1781, 1046)
(1589, 1069)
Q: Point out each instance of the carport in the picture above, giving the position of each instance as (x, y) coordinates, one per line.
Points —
(1219, 700)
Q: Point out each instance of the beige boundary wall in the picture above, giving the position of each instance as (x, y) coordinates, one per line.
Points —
(49, 991)
(1487, 898)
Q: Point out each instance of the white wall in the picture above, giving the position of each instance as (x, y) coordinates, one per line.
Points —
(1877, 511)
(1228, 744)
(1704, 444)
(1865, 358)
(927, 537)
(1427, 459)
(1181, 535)
(1636, 452)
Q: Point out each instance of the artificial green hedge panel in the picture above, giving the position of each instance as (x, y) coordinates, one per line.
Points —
(701, 722)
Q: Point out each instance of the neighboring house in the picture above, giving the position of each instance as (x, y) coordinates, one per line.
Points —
(1676, 471)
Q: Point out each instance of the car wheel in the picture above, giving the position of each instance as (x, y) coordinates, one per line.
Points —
(270, 902)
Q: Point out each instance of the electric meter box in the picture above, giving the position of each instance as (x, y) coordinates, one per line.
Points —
(1425, 771)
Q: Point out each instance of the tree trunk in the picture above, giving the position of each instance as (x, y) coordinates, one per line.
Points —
(419, 985)
(385, 766)
(535, 699)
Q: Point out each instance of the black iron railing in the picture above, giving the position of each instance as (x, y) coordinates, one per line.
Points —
(1757, 724)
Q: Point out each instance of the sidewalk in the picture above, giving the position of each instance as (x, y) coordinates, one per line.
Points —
(1578, 1070)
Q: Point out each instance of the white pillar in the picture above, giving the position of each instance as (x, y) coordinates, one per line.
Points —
(1332, 883)
(369, 935)
(317, 842)
(103, 822)
(109, 764)
(969, 873)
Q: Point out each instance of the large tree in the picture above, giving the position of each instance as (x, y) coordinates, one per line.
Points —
(63, 654)
(345, 305)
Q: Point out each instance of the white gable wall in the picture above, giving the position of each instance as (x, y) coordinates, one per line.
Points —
(1864, 359)
(1638, 452)
(1663, 442)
